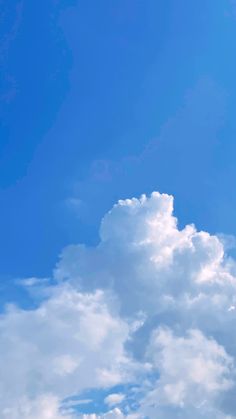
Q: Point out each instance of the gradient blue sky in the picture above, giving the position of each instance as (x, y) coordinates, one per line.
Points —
(105, 100)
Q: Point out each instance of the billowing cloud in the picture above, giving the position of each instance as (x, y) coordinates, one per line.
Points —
(193, 371)
(71, 342)
(150, 309)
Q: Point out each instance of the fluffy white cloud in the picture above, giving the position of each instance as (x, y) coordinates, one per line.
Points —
(142, 252)
(150, 305)
(71, 342)
(192, 370)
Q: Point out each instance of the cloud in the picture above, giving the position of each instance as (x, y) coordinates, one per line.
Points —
(112, 414)
(45, 406)
(71, 342)
(192, 371)
(149, 262)
(114, 399)
(149, 309)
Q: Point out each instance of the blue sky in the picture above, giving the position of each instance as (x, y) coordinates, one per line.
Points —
(106, 100)
(86, 82)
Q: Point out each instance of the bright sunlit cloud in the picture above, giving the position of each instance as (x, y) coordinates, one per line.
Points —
(150, 307)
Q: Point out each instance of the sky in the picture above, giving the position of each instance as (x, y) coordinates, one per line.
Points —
(117, 209)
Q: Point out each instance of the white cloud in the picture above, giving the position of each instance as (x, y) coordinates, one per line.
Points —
(41, 407)
(143, 254)
(112, 414)
(70, 343)
(151, 305)
(192, 370)
(114, 399)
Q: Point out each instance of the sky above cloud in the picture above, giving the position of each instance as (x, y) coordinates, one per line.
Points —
(114, 305)
(101, 102)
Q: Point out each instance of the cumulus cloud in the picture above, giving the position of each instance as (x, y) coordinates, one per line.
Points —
(150, 307)
(192, 369)
(69, 343)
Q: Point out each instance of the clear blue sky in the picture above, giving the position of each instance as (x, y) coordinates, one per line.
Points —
(106, 100)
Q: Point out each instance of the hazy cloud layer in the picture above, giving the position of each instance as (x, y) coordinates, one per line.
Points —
(151, 307)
